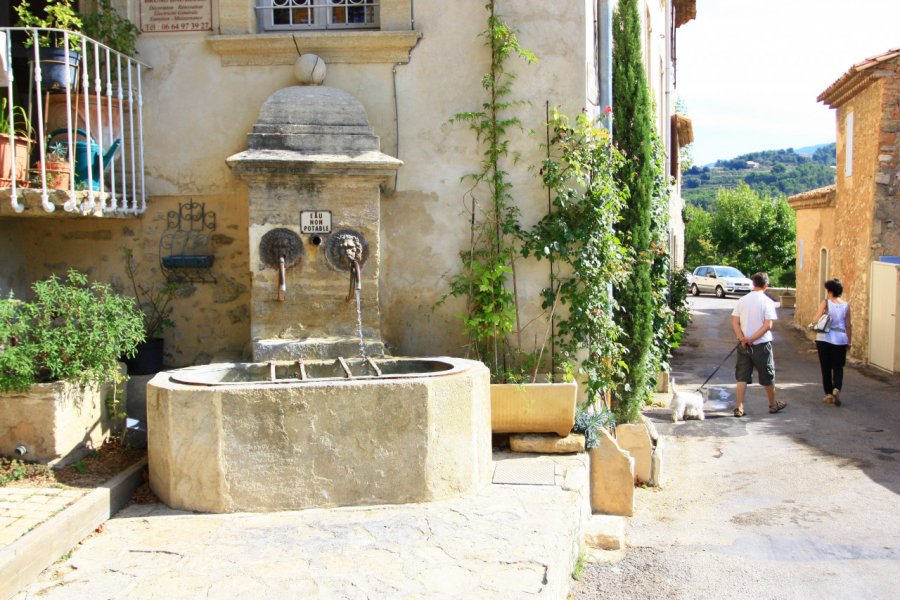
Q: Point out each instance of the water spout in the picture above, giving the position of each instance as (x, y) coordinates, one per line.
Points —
(282, 280)
(355, 280)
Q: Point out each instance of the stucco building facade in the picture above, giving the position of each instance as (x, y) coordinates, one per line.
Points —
(419, 65)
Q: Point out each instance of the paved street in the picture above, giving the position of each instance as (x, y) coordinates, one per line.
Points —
(800, 504)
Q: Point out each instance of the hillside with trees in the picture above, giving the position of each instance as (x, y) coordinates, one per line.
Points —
(775, 173)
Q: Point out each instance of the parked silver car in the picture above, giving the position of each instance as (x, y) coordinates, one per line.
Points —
(720, 281)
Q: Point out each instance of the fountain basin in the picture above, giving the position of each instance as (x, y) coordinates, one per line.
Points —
(231, 437)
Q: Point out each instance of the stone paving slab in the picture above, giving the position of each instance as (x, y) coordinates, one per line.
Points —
(506, 541)
(21, 509)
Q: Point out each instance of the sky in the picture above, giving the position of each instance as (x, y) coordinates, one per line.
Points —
(749, 73)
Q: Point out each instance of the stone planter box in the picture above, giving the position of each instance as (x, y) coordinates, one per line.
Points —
(56, 423)
(533, 407)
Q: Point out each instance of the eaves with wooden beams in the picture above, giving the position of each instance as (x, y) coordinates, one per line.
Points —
(855, 79)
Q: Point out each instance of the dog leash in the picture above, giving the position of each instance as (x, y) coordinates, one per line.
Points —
(716, 370)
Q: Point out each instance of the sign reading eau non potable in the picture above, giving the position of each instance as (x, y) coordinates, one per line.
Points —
(315, 221)
(172, 16)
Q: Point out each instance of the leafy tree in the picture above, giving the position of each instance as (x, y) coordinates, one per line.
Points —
(745, 230)
(698, 245)
(633, 131)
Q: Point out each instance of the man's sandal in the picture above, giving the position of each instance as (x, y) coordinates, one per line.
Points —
(778, 407)
(738, 412)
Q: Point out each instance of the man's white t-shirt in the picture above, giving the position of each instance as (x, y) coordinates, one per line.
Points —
(754, 309)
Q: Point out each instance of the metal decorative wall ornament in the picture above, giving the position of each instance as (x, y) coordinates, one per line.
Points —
(184, 249)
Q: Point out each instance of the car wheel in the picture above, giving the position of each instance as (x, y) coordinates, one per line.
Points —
(720, 293)
(695, 290)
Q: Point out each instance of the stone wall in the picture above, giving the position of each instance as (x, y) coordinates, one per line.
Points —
(887, 174)
(211, 319)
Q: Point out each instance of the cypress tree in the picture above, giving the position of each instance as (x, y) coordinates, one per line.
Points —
(633, 132)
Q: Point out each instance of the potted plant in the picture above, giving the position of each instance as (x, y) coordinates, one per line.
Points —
(156, 305)
(58, 62)
(111, 29)
(56, 168)
(19, 128)
(56, 352)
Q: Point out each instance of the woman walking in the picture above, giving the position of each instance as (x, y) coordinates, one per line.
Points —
(832, 346)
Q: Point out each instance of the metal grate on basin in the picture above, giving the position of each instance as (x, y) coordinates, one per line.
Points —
(524, 472)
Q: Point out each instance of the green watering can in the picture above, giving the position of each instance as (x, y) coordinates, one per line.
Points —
(88, 153)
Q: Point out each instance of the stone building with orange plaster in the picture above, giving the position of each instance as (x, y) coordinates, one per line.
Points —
(844, 228)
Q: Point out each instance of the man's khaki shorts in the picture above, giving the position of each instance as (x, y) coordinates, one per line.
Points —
(758, 356)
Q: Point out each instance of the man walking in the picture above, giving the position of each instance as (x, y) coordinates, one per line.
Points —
(752, 321)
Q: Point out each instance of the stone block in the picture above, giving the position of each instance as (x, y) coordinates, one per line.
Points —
(548, 443)
(662, 381)
(605, 532)
(656, 465)
(651, 429)
(612, 478)
(635, 439)
(136, 396)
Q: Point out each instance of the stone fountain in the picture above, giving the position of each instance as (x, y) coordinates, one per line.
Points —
(304, 425)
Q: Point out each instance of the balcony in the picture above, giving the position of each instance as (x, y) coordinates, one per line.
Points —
(71, 128)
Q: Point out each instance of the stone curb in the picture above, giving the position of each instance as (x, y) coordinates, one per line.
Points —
(23, 560)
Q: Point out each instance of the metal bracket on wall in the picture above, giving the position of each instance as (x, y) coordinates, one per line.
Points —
(184, 249)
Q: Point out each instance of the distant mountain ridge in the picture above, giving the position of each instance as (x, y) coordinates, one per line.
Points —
(769, 172)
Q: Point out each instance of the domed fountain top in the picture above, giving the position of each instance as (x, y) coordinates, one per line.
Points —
(313, 124)
(313, 120)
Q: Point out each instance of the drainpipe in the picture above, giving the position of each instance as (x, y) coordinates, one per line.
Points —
(667, 111)
(412, 26)
(604, 55)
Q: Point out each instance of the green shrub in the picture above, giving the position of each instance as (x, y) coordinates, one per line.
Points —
(72, 330)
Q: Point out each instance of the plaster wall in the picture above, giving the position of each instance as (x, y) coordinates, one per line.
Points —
(425, 221)
(815, 230)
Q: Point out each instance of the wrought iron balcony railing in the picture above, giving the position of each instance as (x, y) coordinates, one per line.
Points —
(71, 124)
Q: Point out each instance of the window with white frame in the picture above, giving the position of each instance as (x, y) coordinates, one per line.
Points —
(278, 15)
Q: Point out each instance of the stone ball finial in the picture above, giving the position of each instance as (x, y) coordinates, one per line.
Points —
(310, 69)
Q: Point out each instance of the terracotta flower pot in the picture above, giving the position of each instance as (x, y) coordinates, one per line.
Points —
(8, 171)
(58, 174)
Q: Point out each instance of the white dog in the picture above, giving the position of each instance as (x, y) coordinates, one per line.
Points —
(686, 405)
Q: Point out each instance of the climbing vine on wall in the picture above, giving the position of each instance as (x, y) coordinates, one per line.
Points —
(487, 279)
(579, 235)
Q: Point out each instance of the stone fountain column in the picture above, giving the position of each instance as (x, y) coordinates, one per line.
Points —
(313, 169)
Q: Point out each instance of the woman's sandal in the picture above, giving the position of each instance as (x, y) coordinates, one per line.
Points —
(779, 405)
(738, 412)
